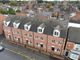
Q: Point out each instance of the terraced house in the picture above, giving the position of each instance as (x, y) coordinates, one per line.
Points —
(44, 35)
(54, 31)
(2, 18)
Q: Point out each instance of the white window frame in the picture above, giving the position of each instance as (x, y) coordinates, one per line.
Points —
(16, 25)
(27, 26)
(6, 23)
(57, 32)
(41, 29)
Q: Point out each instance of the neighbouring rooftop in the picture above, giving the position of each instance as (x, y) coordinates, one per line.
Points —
(74, 35)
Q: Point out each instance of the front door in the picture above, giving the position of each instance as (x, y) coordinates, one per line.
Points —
(19, 40)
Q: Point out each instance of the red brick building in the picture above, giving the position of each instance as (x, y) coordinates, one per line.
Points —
(43, 35)
(55, 45)
(73, 40)
(40, 41)
(26, 33)
(17, 35)
(73, 44)
(7, 28)
(27, 38)
(2, 18)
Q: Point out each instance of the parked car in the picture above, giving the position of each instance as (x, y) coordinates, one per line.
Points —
(1, 48)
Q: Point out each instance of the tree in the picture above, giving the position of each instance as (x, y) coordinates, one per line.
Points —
(3, 11)
(13, 3)
(11, 11)
(40, 1)
(18, 10)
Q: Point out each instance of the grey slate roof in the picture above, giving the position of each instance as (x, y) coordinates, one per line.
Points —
(42, 25)
(24, 20)
(75, 21)
(74, 35)
(49, 25)
(12, 20)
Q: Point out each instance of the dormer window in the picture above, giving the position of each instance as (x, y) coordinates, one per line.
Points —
(16, 25)
(6, 23)
(41, 28)
(27, 26)
(56, 31)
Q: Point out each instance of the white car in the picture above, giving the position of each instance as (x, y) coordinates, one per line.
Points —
(1, 48)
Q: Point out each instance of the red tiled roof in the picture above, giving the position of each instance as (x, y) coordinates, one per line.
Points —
(2, 17)
(77, 17)
(21, 14)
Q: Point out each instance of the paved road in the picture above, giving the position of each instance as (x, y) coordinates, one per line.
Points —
(8, 55)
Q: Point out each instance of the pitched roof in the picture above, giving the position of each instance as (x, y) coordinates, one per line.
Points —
(76, 18)
(74, 35)
(42, 25)
(49, 24)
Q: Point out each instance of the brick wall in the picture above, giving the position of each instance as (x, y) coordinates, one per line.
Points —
(17, 36)
(27, 37)
(55, 44)
(70, 45)
(8, 33)
(40, 41)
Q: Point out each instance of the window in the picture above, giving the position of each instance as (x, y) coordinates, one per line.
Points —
(58, 49)
(26, 41)
(53, 41)
(10, 37)
(41, 45)
(41, 38)
(26, 27)
(60, 42)
(40, 30)
(66, 53)
(5, 23)
(52, 48)
(30, 35)
(36, 37)
(26, 34)
(18, 40)
(36, 43)
(56, 33)
(17, 32)
(15, 38)
(30, 42)
(14, 25)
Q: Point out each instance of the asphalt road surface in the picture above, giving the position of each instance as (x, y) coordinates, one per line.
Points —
(8, 55)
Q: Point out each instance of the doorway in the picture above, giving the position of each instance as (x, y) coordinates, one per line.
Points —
(19, 40)
(41, 45)
(52, 48)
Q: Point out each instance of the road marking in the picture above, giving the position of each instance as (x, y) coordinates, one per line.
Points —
(20, 54)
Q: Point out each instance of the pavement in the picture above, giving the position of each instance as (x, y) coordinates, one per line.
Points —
(20, 53)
